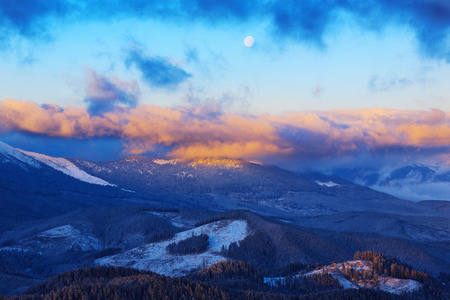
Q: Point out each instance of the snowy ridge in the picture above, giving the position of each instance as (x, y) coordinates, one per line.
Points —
(11, 152)
(154, 256)
(384, 283)
(68, 168)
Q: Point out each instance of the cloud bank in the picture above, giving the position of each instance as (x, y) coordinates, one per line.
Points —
(194, 131)
(307, 21)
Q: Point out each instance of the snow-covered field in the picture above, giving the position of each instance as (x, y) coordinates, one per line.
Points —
(385, 283)
(68, 168)
(154, 256)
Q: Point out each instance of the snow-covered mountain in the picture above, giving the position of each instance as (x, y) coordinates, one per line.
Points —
(9, 154)
(65, 166)
(413, 182)
(210, 183)
(26, 159)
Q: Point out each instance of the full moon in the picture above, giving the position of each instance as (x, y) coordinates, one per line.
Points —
(249, 41)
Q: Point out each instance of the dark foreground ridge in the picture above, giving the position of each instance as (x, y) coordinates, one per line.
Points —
(224, 280)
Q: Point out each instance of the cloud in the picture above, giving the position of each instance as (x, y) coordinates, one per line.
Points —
(157, 71)
(30, 19)
(220, 9)
(105, 94)
(417, 192)
(341, 136)
(308, 21)
(303, 20)
(317, 90)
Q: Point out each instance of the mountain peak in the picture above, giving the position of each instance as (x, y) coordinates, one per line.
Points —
(11, 154)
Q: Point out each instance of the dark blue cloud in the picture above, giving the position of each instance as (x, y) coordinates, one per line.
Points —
(105, 94)
(303, 20)
(306, 21)
(29, 18)
(221, 9)
(157, 71)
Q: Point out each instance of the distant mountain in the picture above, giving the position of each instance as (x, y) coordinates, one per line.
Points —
(413, 182)
(62, 185)
(223, 184)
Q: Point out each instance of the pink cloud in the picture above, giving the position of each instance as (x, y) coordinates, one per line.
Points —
(193, 132)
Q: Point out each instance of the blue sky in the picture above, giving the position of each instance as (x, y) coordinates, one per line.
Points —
(340, 62)
(77, 75)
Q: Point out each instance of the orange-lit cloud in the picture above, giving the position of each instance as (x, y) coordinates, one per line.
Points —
(196, 132)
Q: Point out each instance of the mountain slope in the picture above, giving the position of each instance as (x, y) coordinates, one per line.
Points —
(65, 166)
(33, 190)
(222, 184)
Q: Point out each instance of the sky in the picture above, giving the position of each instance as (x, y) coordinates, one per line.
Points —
(326, 84)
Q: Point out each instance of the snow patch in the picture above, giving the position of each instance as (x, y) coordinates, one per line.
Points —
(327, 184)
(14, 249)
(68, 168)
(184, 175)
(58, 232)
(165, 161)
(154, 256)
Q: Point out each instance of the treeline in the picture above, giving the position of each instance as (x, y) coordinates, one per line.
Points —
(256, 249)
(391, 267)
(349, 294)
(224, 280)
(192, 245)
(162, 235)
(119, 283)
(239, 278)
(303, 285)
(228, 269)
(228, 215)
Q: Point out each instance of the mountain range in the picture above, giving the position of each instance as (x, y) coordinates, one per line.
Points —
(58, 214)
(413, 182)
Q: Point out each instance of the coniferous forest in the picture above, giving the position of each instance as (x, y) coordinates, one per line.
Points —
(224, 280)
